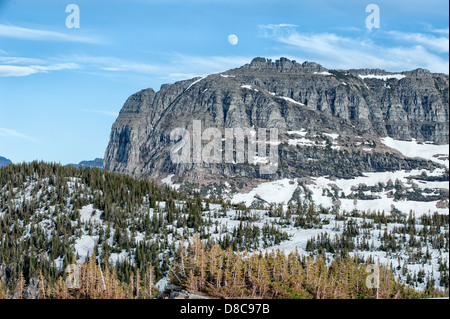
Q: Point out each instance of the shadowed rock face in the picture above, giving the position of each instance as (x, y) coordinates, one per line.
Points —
(280, 94)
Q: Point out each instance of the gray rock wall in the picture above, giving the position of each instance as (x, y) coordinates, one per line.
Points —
(414, 106)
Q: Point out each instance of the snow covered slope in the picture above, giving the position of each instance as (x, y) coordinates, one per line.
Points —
(428, 151)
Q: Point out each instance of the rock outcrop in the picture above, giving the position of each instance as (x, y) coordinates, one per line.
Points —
(176, 292)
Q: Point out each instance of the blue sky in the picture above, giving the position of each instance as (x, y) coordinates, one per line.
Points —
(61, 89)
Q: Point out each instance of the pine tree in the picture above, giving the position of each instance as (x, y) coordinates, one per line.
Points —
(61, 290)
(2, 291)
(42, 289)
(20, 286)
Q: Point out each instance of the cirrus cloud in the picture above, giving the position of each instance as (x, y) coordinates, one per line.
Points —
(415, 51)
(11, 31)
(19, 70)
(15, 70)
(6, 132)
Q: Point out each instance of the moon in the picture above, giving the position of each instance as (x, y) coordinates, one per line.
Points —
(233, 39)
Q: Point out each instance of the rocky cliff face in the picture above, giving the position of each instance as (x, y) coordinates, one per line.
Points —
(289, 96)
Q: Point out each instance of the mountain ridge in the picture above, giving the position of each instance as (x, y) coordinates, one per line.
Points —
(98, 163)
(4, 161)
(289, 96)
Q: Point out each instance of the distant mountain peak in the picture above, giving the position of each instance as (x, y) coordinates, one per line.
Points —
(98, 163)
(4, 161)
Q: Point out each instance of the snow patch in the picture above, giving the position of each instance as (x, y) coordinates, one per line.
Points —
(162, 283)
(414, 149)
(168, 181)
(195, 82)
(277, 192)
(248, 87)
(302, 132)
(89, 214)
(323, 73)
(332, 135)
(383, 202)
(84, 246)
(292, 101)
(382, 77)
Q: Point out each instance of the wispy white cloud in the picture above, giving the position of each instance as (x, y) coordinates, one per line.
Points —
(439, 44)
(277, 26)
(112, 64)
(112, 69)
(20, 60)
(14, 70)
(109, 113)
(441, 31)
(175, 66)
(349, 28)
(338, 51)
(430, 28)
(11, 31)
(20, 70)
(267, 30)
(202, 65)
(13, 133)
(56, 67)
(181, 76)
(23, 66)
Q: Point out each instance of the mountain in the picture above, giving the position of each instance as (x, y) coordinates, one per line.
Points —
(330, 122)
(4, 161)
(98, 163)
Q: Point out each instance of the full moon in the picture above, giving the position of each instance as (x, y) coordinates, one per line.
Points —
(233, 39)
